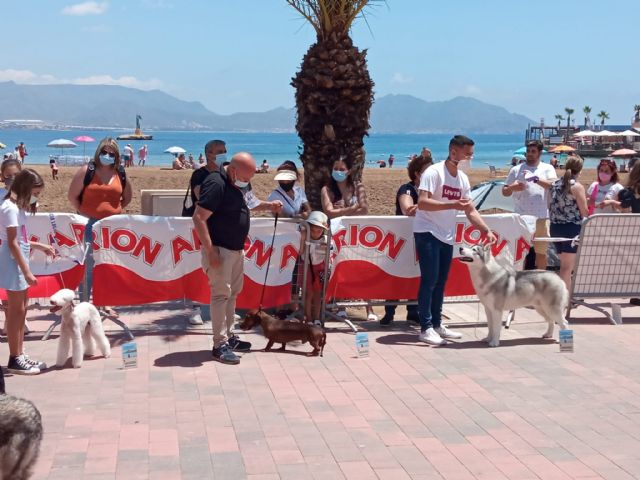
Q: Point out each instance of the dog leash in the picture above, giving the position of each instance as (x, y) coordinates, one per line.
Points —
(266, 274)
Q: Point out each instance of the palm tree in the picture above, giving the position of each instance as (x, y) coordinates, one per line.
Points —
(334, 92)
(559, 118)
(587, 119)
(569, 112)
(603, 116)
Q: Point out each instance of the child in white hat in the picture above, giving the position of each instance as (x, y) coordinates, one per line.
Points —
(317, 251)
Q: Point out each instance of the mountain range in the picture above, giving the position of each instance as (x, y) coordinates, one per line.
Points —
(116, 106)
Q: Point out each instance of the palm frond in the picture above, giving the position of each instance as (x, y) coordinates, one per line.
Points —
(327, 16)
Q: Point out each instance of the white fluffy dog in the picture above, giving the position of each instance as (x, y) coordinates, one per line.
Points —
(80, 326)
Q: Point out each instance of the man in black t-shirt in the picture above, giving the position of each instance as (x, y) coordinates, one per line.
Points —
(215, 153)
(221, 220)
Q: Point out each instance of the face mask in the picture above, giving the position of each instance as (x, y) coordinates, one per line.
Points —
(287, 187)
(33, 200)
(464, 165)
(604, 177)
(241, 184)
(107, 160)
(339, 175)
(221, 158)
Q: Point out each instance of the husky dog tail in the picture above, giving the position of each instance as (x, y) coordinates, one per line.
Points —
(20, 436)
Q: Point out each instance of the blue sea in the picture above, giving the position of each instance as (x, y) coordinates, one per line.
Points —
(275, 147)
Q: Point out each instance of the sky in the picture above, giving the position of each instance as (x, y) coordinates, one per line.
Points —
(533, 58)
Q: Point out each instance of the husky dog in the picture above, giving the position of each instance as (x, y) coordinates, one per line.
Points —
(20, 436)
(80, 326)
(500, 288)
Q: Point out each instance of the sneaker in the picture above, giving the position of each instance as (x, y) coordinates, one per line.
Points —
(372, 317)
(236, 317)
(431, 337)
(41, 365)
(342, 313)
(196, 318)
(224, 354)
(238, 345)
(19, 366)
(317, 323)
(444, 332)
(386, 320)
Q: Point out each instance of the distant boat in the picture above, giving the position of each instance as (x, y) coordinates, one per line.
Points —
(137, 135)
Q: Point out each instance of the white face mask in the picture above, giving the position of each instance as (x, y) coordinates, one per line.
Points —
(464, 165)
(241, 184)
(107, 160)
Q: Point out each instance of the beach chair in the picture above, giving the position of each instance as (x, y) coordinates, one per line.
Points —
(492, 170)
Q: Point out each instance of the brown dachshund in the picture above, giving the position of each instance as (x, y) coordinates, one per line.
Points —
(283, 331)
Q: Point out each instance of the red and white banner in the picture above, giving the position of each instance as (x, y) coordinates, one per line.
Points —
(375, 257)
(65, 232)
(142, 259)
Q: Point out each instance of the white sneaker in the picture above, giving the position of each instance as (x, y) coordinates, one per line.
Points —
(196, 318)
(431, 337)
(444, 332)
(317, 323)
(236, 317)
(372, 317)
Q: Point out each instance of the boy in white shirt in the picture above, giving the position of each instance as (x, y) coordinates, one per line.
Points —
(444, 190)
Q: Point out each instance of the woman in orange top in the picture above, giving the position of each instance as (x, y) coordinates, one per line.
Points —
(101, 198)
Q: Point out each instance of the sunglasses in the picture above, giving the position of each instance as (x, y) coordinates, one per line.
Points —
(110, 154)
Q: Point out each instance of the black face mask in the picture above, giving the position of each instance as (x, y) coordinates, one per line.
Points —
(287, 187)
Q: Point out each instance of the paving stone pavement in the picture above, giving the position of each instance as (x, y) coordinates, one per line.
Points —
(463, 411)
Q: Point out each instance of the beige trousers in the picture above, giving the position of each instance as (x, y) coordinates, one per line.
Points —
(226, 283)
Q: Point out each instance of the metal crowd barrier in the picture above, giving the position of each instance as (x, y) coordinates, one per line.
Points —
(608, 260)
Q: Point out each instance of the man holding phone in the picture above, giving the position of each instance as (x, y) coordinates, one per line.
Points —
(529, 184)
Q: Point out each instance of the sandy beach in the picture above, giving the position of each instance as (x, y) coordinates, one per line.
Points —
(381, 185)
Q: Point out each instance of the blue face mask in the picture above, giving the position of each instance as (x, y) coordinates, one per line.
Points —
(221, 158)
(241, 184)
(339, 175)
(107, 160)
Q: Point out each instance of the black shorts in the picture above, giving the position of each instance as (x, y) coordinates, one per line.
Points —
(566, 230)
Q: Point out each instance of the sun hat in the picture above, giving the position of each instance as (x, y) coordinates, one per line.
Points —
(286, 176)
(319, 219)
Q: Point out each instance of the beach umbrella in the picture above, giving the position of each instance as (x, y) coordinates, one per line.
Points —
(84, 139)
(61, 143)
(623, 152)
(488, 195)
(562, 149)
(175, 150)
(585, 133)
(629, 133)
(606, 133)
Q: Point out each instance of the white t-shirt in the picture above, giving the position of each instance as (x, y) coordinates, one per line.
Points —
(445, 188)
(533, 200)
(290, 207)
(605, 192)
(12, 216)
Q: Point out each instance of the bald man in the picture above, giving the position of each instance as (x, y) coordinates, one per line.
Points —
(221, 219)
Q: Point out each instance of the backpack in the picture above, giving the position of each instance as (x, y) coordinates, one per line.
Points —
(91, 171)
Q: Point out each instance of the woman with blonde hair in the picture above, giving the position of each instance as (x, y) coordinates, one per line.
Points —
(567, 208)
(98, 190)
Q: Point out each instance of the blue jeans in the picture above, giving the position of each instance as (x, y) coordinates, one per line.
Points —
(435, 258)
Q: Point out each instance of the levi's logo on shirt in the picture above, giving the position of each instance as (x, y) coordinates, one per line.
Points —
(451, 193)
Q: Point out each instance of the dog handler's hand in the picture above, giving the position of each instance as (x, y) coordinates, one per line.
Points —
(276, 206)
(490, 238)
